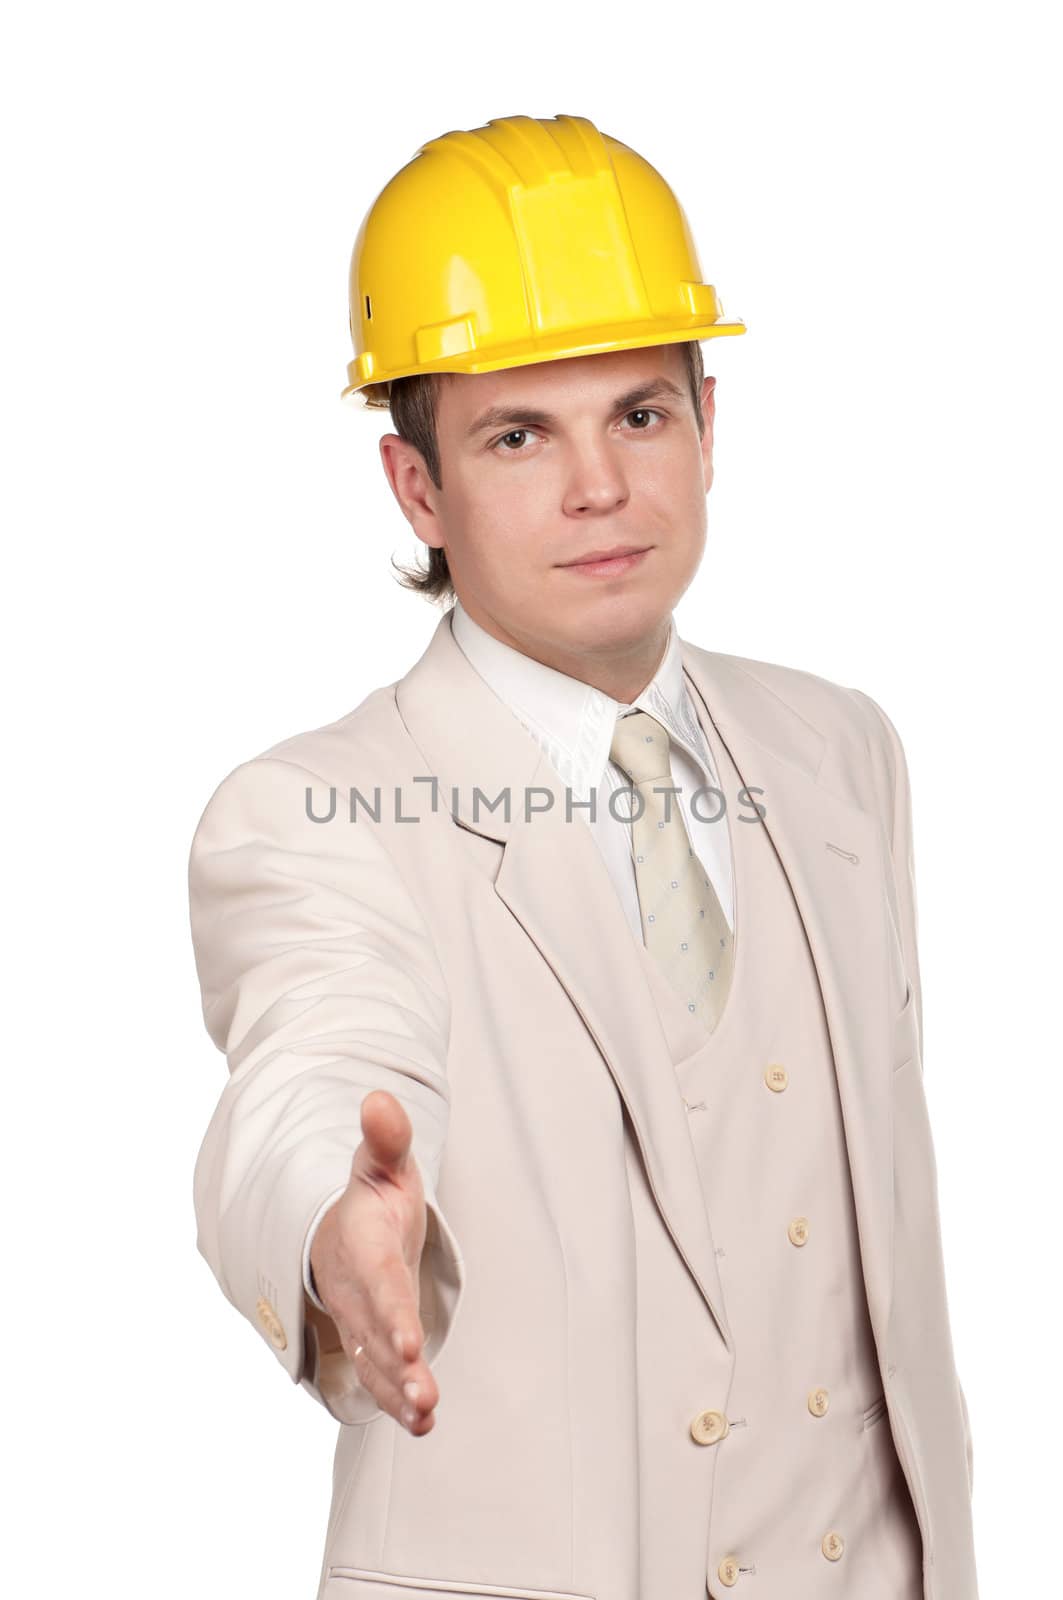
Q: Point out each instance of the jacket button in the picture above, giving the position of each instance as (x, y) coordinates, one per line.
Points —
(727, 1571)
(818, 1401)
(832, 1546)
(272, 1323)
(798, 1230)
(776, 1076)
(708, 1427)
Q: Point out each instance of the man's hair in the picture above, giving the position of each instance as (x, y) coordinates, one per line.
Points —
(412, 403)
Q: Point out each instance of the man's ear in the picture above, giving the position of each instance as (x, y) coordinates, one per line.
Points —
(406, 472)
(708, 411)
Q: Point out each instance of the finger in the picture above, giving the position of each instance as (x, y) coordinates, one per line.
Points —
(410, 1396)
(390, 1333)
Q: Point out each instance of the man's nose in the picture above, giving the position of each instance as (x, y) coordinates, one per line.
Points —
(595, 485)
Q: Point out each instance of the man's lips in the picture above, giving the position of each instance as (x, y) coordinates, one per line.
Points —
(617, 558)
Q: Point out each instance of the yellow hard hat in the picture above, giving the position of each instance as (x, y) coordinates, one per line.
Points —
(525, 240)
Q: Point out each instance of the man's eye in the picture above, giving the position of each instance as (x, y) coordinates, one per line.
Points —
(512, 434)
(516, 433)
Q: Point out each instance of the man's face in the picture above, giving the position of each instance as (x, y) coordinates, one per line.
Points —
(547, 464)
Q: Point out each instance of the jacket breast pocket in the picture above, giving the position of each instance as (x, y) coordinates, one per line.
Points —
(359, 1583)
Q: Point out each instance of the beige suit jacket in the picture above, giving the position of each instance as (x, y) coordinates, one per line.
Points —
(479, 966)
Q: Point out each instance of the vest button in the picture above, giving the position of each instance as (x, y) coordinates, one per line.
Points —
(776, 1076)
(833, 1546)
(818, 1401)
(798, 1230)
(727, 1571)
(709, 1427)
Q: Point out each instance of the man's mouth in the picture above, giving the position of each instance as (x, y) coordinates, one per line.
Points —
(616, 559)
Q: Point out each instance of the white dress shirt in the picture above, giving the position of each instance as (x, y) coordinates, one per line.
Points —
(573, 722)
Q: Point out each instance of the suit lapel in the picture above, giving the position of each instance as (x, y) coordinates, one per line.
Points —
(555, 883)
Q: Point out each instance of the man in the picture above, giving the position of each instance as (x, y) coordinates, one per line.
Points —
(574, 1153)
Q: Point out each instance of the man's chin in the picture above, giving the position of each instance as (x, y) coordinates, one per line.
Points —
(610, 621)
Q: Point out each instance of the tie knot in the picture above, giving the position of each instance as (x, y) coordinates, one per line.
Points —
(641, 747)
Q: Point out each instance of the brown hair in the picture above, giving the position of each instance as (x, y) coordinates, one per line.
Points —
(412, 403)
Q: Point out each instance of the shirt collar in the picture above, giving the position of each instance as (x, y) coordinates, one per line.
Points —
(572, 721)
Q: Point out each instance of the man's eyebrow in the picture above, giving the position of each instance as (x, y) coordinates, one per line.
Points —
(497, 416)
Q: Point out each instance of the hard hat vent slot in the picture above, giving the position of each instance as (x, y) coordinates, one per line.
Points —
(368, 309)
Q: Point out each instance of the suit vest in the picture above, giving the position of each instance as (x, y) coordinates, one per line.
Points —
(805, 1489)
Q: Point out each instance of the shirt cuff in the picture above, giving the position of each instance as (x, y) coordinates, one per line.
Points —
(308, 1276)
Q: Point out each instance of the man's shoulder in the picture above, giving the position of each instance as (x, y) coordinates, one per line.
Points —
(365, 746)
(861, 753)
(833, 708)
(366, 734)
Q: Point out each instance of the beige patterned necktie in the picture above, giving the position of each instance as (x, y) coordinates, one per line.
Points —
(682, 920)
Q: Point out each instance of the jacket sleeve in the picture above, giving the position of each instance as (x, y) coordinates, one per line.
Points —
(899, 832)
(320, 983)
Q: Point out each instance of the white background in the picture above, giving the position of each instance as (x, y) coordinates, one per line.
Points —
(197, 565)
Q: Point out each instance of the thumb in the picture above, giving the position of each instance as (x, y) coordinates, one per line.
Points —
(387, 1134)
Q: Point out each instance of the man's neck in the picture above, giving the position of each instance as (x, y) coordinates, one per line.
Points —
(622, 672)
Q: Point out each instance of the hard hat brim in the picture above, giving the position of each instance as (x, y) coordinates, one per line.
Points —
(557, 348)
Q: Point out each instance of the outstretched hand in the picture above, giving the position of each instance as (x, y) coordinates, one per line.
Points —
(366, 1256)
